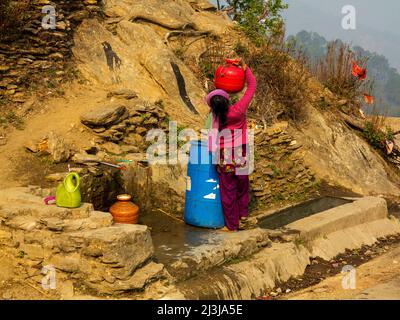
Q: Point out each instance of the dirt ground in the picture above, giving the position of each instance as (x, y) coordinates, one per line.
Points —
(61, 115)
(375, 280)
(321, 277)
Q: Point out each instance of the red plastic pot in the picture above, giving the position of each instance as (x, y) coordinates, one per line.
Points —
(230, 78)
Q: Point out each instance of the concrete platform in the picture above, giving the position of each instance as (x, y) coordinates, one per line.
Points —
(324, 235)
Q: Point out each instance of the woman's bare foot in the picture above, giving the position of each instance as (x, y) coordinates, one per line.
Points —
(243, 218)
(225, 229)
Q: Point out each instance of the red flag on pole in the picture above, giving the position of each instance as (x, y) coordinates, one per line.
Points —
(357, 71)
(369, 99)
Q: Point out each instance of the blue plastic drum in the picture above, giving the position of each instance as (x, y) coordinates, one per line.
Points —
(203, 206)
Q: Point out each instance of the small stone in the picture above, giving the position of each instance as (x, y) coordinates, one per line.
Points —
(56, 177)
(123, 94)
(56, 55)
(288, 290)
(4, 68)
(3, 141)
(151, 121)
(112, 148)
(7, 295)
(66, 289)
(136, 120)
(129, 149)
(61, 25)
(66, 263)
(320, 290)
(84, 158)
(141, 130)
(342, 102)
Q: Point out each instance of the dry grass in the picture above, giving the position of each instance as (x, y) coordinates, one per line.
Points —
(217, 51)
(334, 71)
(282, 80)
(282, 83)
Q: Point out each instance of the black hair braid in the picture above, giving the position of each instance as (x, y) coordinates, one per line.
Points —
(220, 108)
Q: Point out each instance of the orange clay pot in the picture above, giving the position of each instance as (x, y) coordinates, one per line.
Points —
(125, 211)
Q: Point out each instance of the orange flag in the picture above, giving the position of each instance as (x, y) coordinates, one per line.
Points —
(357, 71)
(369, 99)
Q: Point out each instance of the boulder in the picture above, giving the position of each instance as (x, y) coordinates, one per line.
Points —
(104, 116)
(57, 148)
(124, 247)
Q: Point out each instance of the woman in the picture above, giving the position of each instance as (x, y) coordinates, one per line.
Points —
(229, 139)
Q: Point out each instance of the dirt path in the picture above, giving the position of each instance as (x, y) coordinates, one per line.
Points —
(61, 115)
(376, 279)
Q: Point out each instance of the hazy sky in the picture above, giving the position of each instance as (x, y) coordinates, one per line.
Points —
(378, 23)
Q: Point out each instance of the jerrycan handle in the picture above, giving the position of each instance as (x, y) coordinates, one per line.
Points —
(69, 182)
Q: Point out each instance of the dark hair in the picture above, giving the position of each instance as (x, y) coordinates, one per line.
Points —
(220, 107)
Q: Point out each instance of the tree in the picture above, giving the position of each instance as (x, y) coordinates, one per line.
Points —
(258, 18)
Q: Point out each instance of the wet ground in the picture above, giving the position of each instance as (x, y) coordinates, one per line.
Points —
(172, 238)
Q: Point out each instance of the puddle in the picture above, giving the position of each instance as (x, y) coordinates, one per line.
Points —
(173, 239)
(301, 211)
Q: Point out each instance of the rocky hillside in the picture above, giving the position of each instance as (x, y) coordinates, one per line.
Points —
(135, 63)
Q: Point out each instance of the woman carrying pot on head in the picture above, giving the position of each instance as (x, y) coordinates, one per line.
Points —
(228, 139)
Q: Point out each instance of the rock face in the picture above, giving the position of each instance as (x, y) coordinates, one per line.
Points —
(131, 49)
(339, 156)
(82, 244)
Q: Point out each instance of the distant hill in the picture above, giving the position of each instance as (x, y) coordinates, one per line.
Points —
(377, 23)
(387, 78)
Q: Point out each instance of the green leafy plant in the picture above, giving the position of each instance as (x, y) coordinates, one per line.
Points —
(375, 136)
(258, 18)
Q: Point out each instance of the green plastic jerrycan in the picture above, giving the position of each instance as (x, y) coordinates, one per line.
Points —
(68, 194)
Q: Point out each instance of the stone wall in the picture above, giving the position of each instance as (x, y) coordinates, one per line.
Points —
(32, 58)
(123, 122)
(280, 174)
(83, 245)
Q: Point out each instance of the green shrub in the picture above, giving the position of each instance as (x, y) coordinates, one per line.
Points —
(258, 18)
(375, 136)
